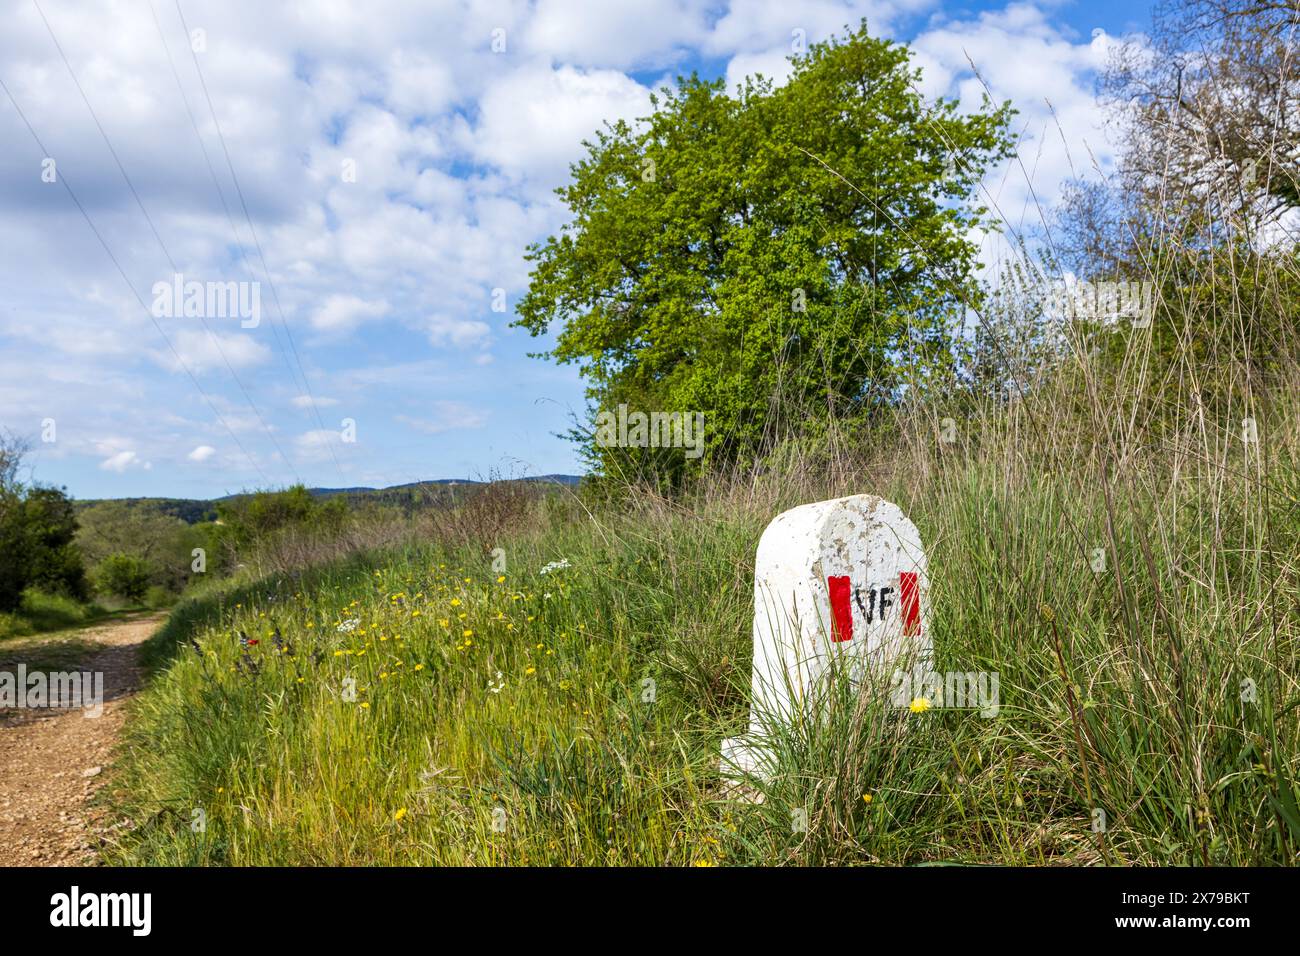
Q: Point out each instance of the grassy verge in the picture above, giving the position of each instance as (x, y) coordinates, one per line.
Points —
(414, 706)
(42, 612)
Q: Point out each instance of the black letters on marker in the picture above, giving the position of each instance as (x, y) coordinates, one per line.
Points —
(869, 611)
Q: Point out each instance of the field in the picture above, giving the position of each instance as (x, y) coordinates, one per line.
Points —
(415, 705)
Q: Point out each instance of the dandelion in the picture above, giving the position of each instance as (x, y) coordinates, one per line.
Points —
(531, 670)
(501, 579)
(919, 705)
(467, 633)
(419, 667)
(399, 814)
(365, 705)
(866, 798)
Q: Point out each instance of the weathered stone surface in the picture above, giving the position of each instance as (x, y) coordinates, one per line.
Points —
(837, 584)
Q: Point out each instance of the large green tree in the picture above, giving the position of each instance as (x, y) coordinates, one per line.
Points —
(56, 562)
(769, 255)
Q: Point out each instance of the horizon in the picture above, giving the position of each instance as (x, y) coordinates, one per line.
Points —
(323, 489)
(390, 169)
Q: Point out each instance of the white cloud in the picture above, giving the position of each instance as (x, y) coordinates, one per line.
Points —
(342, 313)
(201, 453)
(307, 401)
(623, 34)
(534, 119)
(419, 84)
(319, 445)
(750, 26)
(210, 352)
(775, 65)
(445, 330)
(121, 461)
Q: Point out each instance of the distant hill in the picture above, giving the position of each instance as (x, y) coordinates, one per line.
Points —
(330, 492)
(189, 510)
(409, 496)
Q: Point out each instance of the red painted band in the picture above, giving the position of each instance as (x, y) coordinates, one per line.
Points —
(841, 609)
(911, 599)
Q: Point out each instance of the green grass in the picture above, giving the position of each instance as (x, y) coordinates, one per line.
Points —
(535, 739)
(41, 612)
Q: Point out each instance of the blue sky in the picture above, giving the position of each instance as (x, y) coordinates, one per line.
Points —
(394, 167)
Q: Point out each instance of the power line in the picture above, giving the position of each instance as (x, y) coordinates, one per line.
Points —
(152, 228)
(62, 178)
(212, 173)
(257, 243)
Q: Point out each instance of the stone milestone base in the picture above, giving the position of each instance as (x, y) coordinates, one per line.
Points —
(742, 762)
(743, 755)
(840, 586)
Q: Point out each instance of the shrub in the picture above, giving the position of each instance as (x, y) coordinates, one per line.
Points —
(158, 596)
(124, 576)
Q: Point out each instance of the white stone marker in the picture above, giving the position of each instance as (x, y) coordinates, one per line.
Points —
(837, 584)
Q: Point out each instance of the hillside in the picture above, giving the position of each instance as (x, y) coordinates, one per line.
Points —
(433, 491)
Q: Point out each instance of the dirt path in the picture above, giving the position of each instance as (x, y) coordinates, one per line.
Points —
(52, 759)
